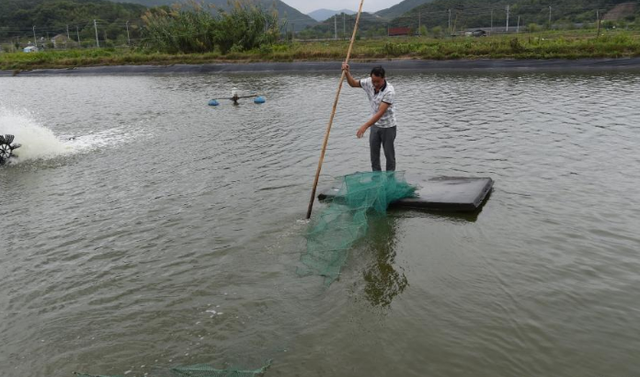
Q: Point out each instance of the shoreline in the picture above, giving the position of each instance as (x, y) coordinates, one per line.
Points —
(395, 65)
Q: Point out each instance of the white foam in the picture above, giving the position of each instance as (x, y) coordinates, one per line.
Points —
(37, 140)
(100, 139)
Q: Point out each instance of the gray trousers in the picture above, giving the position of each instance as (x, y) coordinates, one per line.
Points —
(382, 137)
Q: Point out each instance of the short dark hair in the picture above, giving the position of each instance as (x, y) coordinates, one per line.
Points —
(378, 71)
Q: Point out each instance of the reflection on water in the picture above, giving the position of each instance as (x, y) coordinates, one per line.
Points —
(382, 281)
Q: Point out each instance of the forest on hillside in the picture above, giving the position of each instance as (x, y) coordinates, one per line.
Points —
(461, 14)
(438, 16)
(119, 23)
(400, 8)
(285, 11)
(22, 19)
(116, 23)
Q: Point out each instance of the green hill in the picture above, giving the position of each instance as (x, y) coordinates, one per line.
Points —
(400, 8)
(478, 13)
(52, 17)
(285, 12)
(370, 25)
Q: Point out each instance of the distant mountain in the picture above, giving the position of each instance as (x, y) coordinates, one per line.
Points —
(401, 8)
(290, 14)
(323, 14)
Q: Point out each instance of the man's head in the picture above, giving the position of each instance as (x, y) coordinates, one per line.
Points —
(377, 77)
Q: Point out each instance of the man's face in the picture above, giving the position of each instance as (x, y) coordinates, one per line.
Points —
(377, 81)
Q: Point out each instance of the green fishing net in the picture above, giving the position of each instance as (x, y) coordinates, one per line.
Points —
(344, 221)
(207, 371)
(200, 370)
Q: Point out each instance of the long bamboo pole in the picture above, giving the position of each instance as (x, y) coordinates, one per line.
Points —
(333, 114)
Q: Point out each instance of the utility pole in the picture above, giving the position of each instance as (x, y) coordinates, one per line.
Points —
(95, 26)
(518, 27)
(344, 25)
(598, 20)
(491, 21)
(455, 24)
(128, 36)
(419, 21)
(549, 16)
(335, 26)
(78, 34)
(507, 28)
(68, 37)
(293, 31)
(35, 42)
(449, 21)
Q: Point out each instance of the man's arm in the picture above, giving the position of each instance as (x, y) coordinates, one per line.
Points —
(352, 82)
(383, 108)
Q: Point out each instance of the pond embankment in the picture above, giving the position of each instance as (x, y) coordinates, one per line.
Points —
(404, 65)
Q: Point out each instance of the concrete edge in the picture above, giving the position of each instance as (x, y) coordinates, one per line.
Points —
(417, 66)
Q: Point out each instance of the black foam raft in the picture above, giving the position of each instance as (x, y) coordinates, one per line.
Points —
(453, 194)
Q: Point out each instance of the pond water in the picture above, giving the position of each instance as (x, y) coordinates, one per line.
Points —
(142, 229)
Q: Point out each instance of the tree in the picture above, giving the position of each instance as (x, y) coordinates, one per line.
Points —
(437, 31)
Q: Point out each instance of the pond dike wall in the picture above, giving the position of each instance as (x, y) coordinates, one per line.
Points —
(459, 66)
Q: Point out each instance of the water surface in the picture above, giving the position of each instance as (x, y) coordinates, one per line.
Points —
(167, 232)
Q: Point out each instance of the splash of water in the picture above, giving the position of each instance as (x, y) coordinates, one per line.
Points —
(38, 141)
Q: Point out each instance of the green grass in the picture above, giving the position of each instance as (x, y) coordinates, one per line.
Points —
(574, 44)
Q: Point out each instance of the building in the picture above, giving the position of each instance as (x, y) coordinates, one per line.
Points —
(62, 41)
(398, 31)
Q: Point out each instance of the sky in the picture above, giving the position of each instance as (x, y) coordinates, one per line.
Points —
(307, 6)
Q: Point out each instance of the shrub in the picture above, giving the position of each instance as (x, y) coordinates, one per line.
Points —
(515, 45)
(247, 26)
(191, 28)
(437, 31)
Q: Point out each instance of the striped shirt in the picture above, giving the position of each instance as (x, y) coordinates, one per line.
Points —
(387, 95)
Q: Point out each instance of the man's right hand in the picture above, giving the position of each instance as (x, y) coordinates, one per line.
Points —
(352, 82)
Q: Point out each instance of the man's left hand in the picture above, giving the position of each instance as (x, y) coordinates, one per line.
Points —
(361, 131)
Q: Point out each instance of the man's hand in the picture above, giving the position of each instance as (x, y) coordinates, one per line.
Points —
(347, 73)
(361, 131)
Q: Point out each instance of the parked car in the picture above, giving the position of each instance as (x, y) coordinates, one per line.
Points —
(479, 33)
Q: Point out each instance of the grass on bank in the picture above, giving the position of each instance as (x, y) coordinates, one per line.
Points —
(543, 45)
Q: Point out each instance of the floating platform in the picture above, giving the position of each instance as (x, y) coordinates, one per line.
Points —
(455, 194)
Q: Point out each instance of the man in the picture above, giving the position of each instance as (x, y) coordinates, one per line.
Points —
(382, 124)
(234, 96)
